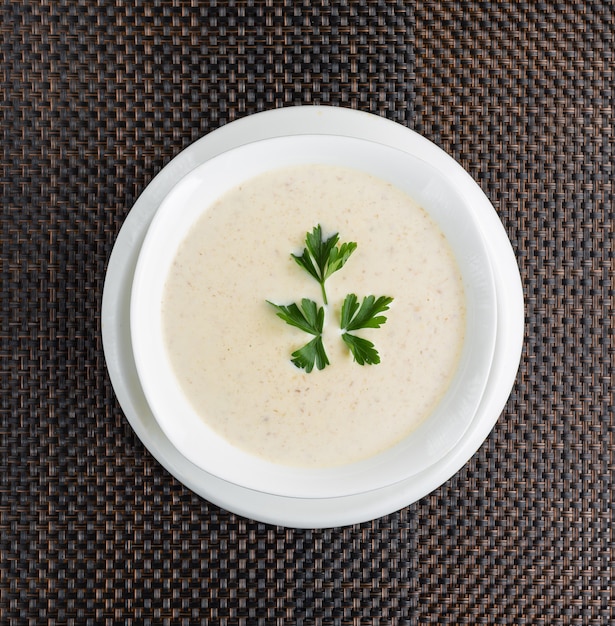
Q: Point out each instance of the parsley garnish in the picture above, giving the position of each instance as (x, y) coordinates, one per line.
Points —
(310, 318)
(355, 317)
(320, 259)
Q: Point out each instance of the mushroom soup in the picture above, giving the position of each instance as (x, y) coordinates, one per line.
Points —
(232, 354)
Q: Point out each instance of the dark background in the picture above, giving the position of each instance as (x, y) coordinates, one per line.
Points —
(96, 97)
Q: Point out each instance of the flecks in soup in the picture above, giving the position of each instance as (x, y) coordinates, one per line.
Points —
(231, 353)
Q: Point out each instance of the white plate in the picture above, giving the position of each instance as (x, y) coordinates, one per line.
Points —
(293, 512)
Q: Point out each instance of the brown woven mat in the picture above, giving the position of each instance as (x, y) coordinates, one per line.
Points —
(96, 97)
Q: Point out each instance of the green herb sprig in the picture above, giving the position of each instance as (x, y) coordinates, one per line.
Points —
(355, 317)
(310, 318)
(321, 258)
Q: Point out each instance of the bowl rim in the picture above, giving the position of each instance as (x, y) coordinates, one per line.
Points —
(252, 472)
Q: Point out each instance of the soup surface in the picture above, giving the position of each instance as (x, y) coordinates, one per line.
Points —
(231, 353)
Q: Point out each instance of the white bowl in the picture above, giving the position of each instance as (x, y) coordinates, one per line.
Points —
(183, 206)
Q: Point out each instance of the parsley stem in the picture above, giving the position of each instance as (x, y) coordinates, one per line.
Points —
(324, 293)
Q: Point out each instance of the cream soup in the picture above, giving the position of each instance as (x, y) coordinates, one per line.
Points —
(231, 353)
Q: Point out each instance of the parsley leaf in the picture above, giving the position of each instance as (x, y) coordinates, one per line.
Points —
(310, 318)
(312, 353)
(366, 315)
(321, 257)
(362, 350)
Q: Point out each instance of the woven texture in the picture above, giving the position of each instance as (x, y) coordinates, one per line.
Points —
(96, 97)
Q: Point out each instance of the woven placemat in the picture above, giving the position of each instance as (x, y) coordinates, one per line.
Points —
(96, 98)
